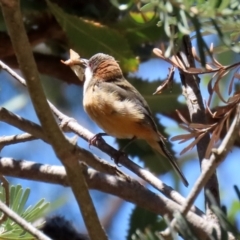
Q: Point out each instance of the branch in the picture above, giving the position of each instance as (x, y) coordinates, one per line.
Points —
(22, 222)
(176, 62)
(217, 157)
(36, 132)
(131, 190)
(71, 124)
(19, 138)
(63, 149)
(5, 185)
(48, 65)
(193, 96)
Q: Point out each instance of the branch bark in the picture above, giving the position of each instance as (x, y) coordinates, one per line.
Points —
(192, 93)
(131, 191)
(70, 124)
(217, 157)
(63, 149)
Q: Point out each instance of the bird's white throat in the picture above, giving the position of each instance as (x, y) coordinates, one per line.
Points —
(88, 78)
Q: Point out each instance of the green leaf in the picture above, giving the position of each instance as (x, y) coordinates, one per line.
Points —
(18, 198)
(23, 201)
(16, 103)
(136, 31)
(148, 7)
(89, 38)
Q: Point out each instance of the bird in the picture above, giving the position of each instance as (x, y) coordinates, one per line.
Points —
(117, 107)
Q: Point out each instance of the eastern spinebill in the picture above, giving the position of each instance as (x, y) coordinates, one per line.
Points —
(117, 107)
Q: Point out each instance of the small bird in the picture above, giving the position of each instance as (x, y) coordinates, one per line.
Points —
(118, 108)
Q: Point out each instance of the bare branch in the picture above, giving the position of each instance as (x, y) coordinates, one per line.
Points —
(19, 138)
(36, 132)
(131, 191)
(47, 65)
(70, 124)
(63, 149)
(192, 93)
(5, 185)
(217, 157)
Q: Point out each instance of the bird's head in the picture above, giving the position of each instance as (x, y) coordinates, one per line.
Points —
(104, 67)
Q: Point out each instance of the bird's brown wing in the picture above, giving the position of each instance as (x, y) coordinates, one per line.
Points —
(124, 90)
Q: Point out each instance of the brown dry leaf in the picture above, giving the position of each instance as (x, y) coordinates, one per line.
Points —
(192, 70)
(167, 82)
(194, 53)
(208, 67)
(177, 62)
(181, 117)
(192, 144)
(200, 126)
(235, 75)
(217, 64)
(158, 52)
(184, 137)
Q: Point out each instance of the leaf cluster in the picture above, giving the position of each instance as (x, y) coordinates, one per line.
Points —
(18, 200)
(220, 118)
(202, 18)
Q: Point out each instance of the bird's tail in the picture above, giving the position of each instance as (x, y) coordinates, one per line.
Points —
(161, 147)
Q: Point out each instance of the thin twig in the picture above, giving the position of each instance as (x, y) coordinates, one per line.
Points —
(22, 222)
(14, 139)
(192, 70)
(5, 185)
(36, 132)
(216, 158)
(130, 191)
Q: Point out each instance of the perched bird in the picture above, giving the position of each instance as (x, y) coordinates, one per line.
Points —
(118, 108)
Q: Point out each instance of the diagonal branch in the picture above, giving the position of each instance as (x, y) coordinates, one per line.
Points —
(131, 191)
(36, 132)
(72, 125)
(217, 157)
(18, 138)
(63, 149)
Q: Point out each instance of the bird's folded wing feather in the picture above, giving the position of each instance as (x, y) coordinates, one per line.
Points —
(125, 91)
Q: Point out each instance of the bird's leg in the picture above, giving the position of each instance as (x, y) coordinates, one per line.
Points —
(121, 152)
(96, 137)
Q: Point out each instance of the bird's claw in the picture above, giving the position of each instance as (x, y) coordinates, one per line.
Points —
(117, 155)
(95, 138)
